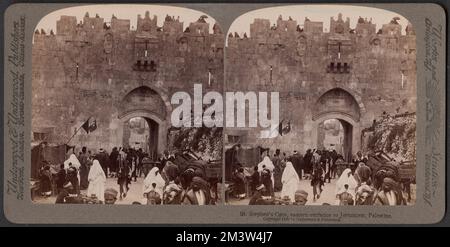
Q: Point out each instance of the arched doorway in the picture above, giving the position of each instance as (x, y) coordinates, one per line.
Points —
(335, 134)
(144, 106)
(141, 133)
(339, 106)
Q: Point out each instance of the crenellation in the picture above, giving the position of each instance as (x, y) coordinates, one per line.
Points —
(66, 25)
(120, 25)
(314, 27)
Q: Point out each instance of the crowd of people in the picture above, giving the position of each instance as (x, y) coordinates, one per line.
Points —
(82, 179)
(356, 183)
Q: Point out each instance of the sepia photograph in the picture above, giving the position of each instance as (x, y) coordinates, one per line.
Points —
(102, 81)
(346, 83)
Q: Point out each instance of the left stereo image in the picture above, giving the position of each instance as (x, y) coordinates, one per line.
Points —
(103, 78)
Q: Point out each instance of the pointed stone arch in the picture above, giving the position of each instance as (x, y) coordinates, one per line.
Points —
(154, 107)
(338, 103)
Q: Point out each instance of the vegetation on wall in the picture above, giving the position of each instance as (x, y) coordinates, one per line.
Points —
(205, 142)
(395, 136)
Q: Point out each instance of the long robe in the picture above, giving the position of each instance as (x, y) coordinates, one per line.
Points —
(240, 183)
(76, 164)
(97, 180)
(154, 177)
(269, 166)
(290, 182)
(277, 173)
(84, 170)
(346, 178)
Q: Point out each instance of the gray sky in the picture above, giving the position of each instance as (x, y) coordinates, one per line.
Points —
(320, 13)
(123, 11)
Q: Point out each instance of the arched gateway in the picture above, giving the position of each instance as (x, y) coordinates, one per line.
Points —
(339, 104)
(150, 105)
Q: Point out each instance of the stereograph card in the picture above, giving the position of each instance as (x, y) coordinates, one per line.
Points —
(224, 113)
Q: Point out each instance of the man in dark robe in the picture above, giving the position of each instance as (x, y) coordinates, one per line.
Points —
(390, 195)
(60, 178)
(70, 192)
(113, 161)
(254, 179)
(84, 168)
(166, 157)
(46, 181)
(363, 174)
(103, 159)
(198, 193)
(266, 180)
(297, 161)
(278, 171)
(240, 183)
(307, 161)
(140, 155)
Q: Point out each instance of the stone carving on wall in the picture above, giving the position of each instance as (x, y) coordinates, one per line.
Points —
(108, 43)
(375, 41)
(301, 45)
(339, 29)
(391, 43)
(183, 44)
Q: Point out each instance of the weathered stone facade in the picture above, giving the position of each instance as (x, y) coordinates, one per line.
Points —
(353, 75)
(113, 73)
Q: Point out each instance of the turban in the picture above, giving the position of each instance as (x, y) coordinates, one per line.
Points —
(364, 188)
(390, 182)
(172, 187)
(301, 194)
(199, 182)
(111, 192)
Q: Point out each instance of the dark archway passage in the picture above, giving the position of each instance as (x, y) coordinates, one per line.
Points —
(145, 107)
(339, 105)
(141, 133)
(336, 134)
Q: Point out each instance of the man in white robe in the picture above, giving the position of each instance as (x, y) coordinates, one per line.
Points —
(346, 178)
(154, 177)
(290, 181)
(97, 180)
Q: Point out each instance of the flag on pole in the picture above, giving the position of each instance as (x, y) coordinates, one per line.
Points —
(93, 125)
(280, 127)
(286, 129)
(283, 129)
(85, 126)
(89, 126)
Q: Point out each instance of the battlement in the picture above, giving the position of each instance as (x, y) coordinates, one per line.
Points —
(147, 24)
(262, 29)
(68, 26)
(365, 27)
(93, 23)
(120, 25)
(339, 26)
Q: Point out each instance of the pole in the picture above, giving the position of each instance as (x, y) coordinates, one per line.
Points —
(76, 131)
